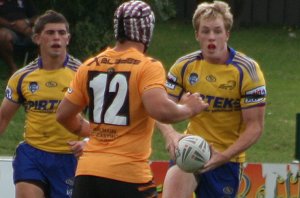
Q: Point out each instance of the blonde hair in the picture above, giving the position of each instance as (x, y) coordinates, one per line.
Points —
(211, 11)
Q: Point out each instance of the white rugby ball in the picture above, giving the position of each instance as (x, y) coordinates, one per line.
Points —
(192, 153)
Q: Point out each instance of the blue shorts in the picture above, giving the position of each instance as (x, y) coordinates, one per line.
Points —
(53, 172)
(221, 182)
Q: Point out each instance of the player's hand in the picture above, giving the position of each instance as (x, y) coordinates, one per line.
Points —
(194, 102)
(77, 147)
(217, 159)
(172, 143)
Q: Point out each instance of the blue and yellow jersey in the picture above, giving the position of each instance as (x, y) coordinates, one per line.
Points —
(228, 88)
(40, 91)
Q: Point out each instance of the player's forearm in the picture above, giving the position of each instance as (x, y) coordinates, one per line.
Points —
(7, 111)
(248, 138)
(171, 112)
(165, 129)
(76, 125)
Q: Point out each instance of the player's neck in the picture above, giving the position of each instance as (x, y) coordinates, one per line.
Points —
(221, 59)
(129, 44)
(53, 62)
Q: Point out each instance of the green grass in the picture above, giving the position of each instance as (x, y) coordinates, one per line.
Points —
(274, 50)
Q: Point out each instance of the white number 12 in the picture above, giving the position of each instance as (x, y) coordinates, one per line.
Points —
(101, 87)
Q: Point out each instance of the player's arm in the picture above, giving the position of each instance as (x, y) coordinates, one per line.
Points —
(163, 109)
(7, 110)
(254, 120)
(69, 115)
(171, 137)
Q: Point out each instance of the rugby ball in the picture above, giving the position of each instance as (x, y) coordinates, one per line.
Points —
(192, 153)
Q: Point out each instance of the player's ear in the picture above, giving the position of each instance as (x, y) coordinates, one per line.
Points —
(69, 38)
(196, 36)
(36, 39)
(227, 35)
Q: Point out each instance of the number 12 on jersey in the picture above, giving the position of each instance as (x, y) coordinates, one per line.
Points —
(109, 97)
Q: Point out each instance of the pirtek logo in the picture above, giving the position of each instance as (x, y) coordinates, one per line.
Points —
(42, 105)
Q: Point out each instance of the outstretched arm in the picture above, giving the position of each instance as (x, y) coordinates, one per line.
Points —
(163, 109)
(7, 110)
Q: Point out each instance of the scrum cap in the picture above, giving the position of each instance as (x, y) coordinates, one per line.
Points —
(134, 20)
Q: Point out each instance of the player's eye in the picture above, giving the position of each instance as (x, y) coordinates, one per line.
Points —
(205, 31)
(50, 32)
(62, 32)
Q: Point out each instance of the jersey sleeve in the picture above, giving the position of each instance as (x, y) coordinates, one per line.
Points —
(253, 88)
(13, 90)
(153, 75)
(174, 82)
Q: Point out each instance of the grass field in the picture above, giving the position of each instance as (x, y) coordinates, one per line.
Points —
(274, 50)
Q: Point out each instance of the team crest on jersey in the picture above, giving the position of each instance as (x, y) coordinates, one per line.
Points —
(193, 78)
(33, 87)
(8, 92)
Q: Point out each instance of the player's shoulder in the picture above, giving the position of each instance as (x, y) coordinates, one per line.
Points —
(247, 64)
(190, 57)
(243, 60)
(73, 63)
(32, 66)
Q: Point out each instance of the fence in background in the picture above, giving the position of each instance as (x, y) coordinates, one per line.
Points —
(252, 12)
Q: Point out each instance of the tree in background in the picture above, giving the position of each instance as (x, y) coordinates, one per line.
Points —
(91, 22)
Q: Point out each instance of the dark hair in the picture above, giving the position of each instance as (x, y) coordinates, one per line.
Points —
(50, 16)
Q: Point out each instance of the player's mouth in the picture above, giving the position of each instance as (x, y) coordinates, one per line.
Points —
(211, 46)
(55, 46)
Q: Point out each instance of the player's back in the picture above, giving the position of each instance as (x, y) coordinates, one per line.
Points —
(112, 85)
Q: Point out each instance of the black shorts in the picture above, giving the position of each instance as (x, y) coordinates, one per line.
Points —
(99, 187)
